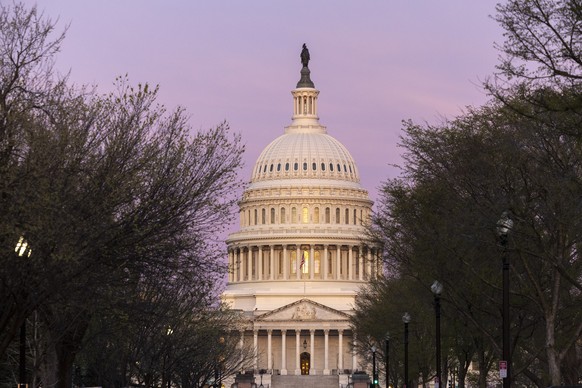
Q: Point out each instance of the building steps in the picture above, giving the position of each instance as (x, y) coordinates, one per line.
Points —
(313, 381)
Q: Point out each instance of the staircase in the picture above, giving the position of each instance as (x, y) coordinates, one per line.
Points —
(313, 381)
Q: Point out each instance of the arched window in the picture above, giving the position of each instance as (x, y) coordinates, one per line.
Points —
(265, 168)
(282, 215)
(278, 166)
(337, 215)
(272, 215)
(314, 166)
(355, 217)
(345, 169)
(339, 168)
(256, 217)
(347, 216)
(305, 215)
(286, 166)
(322, 166)
(263, 216)
(295, 166)
(293, 215)
(316, 215)
(327, 215)
(304, 166)
(331, 167)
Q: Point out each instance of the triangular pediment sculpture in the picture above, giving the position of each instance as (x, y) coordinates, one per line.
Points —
(303, 310)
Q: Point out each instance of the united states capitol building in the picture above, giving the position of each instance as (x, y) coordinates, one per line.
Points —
(299, 256)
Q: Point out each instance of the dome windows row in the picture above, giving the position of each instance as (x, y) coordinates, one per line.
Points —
(303, 215)
(297, 167)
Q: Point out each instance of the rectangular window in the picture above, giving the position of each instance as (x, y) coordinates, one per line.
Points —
(305, 215)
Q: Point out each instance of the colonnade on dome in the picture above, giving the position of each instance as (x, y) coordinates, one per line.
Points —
(275, 262)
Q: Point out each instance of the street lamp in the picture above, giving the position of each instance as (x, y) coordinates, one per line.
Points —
(374, 378)
(387, 339)
(504, 226)
(436, 289)
(22, 249)
(406, 320)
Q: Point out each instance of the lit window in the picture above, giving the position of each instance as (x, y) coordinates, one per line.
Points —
(305, 215)
(293, 215)
(316, 215)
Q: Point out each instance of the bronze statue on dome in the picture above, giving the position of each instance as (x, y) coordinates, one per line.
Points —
(305, 56)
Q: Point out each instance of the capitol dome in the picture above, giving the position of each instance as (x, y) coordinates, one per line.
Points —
(305, 154)
(300, 253)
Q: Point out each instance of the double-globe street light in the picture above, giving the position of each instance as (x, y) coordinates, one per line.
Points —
(437, 289)
(406, 320)
(504, 226)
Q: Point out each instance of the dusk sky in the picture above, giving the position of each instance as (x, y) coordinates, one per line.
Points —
(376, 63)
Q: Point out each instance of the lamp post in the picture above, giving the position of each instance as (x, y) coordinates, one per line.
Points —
(387, 340)
(436, 289)
(504, 226)
(22, 249)
(374, 379)
(406, 320)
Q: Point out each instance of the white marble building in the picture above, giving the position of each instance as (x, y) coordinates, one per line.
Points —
(299, 256)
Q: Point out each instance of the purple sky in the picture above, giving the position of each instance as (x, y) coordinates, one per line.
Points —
(375, 63)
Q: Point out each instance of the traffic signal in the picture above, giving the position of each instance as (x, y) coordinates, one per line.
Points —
(375, 380)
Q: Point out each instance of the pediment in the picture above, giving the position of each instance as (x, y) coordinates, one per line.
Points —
(303, 310)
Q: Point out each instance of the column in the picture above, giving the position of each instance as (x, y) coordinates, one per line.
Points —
(285, 264)
(326, 352)
(312, 351)
(312, 263)
(298, 261)
(340, 357)
(260, 265)
(338, 258)
(325, 262)
(255, 349)
(369, 267)
(269, 349)
(360, 264)
(272, 263)
(283, 352)
(297, 352)
(249, 263)
(351, 263)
